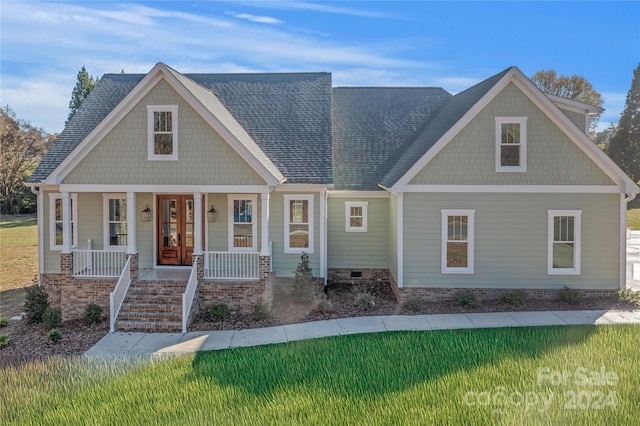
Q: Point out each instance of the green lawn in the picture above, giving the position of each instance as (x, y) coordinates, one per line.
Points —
(633, 214)
(18, 251)
(546, 375)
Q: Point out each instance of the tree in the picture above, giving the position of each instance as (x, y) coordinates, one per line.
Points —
(23, 146)
(603, 138)
(573, 87)
(624, 147)
(84, 85)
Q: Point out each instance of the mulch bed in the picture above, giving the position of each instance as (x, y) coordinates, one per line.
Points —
(29, 341)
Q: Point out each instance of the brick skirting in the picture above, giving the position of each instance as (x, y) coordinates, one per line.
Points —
(72, 296)
(240, 296)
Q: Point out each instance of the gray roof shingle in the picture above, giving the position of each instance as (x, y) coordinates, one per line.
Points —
(371, 124)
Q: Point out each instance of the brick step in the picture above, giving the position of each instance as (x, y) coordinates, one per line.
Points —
(153, 298)
(149, 326)
(139, 283)
(150, 316)
(168, 291)
(151, 307)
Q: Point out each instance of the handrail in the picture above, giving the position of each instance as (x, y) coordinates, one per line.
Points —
(116, 297)
(188, 296)
(231, 265)
(98, 263)
(83, 246)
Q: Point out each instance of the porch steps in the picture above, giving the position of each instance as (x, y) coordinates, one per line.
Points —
(152, 306)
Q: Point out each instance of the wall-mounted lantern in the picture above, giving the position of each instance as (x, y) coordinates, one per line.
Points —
(146, 214)
(211, 214)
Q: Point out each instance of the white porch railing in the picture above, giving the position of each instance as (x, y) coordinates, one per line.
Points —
(188, 296)
(231, 266)
(118, 294)
(98, 263)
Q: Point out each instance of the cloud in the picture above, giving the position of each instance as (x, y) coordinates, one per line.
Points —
(253, 18)
(317, 7)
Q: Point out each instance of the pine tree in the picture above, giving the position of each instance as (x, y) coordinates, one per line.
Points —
(303, 279)
(84, 85)
(624, 147)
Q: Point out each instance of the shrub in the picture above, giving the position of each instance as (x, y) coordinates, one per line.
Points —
(92, 314)
(465, 299)
(4, 340)
(570, 296)
(365, 300)
(54, 335)
(260, 311)
(413, 305)
(322, 304)
(514, 297)
(3, 322)
(35, 304)
(51, 318)
(303, 281)
(629, 296)
(218, 311)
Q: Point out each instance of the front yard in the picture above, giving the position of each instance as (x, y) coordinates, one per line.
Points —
(545, 375)
(633, 214)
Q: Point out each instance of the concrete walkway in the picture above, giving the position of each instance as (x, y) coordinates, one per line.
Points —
(166, 343)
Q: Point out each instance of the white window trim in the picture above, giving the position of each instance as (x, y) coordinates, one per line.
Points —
(105, 221)
(523, 143)
(52, 219)
(254, 222)
(174, 127)
(287, 221)
(469, 269)
(577, 235)
(347, 213)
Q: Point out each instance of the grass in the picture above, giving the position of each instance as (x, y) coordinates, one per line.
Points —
(18, 251)
(441, 377)
(633, 214)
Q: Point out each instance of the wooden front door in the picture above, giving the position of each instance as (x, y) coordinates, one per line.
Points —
(175, 229)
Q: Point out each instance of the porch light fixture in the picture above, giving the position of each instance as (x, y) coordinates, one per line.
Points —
(146, 214)
(211, 214)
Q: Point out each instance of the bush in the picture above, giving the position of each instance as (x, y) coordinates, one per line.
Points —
(303, 280)
(322, 304)
(365, 300)
(514, 297)
(35, 304)
(412, 305)
(260, 311)
(92, 314)
(465, 299)
(4, 340)
(629, 296)
(51, 318)
(218, 311)
(54, 335)
(570, 296)
(3, 322)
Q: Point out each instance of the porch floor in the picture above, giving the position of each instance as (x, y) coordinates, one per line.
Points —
(164, 274)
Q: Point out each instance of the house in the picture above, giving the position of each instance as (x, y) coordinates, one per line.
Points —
(231, 177)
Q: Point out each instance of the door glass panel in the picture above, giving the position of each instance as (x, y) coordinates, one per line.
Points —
(189, 235)
(169, 226)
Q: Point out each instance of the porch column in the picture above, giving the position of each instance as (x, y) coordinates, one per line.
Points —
(132, 245)
(67, 238)
(197, 223)
(264, 198)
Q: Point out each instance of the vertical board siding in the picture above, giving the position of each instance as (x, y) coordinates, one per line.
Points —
(203, 156)
(284, 264)
(552, 158)
(511, 240)
(358, 249)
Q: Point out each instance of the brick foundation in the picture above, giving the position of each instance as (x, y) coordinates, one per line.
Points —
(240, 296)
(367, 276)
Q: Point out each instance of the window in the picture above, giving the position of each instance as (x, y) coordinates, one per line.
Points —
(298, 224)
(511, 144)
(162, 122)
(115, 221)
(356, 216)
(55, 222)
(457, 241)
(564, 242)
(242, 223)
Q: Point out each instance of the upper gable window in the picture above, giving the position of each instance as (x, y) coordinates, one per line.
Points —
(511, 144)
(162, 132)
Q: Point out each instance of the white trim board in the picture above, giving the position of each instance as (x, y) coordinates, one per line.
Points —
(529, 189)
(168, 189)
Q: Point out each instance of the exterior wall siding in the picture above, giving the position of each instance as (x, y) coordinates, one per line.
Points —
(218, 231)
(144, 231)
(203, 156)
(576, 118)
(51, 258)
(552, 158)
(358, 249)
(393, 236)
(284, 264)
(511, 240)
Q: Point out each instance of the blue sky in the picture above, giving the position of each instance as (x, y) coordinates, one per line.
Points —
(451, 44)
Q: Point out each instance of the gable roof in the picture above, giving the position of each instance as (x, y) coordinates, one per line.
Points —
(284, 153)
(372, 124)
